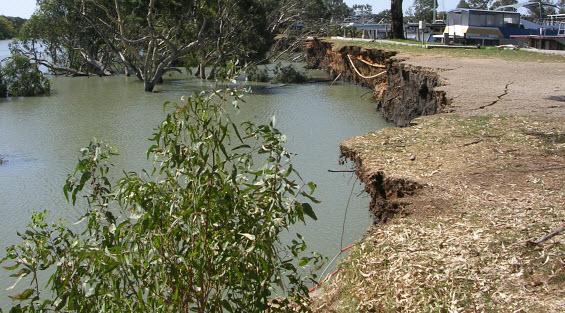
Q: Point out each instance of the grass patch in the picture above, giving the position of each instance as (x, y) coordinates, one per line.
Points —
(483, 53)
(553, 142)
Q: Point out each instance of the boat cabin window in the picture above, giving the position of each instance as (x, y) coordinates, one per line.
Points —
(481, 18)
(511, 20)
(454, 18)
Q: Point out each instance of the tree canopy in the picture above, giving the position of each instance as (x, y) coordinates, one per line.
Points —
(423, 9)
(19, 76)
(10, 26)
(463, 4)
(148, 38)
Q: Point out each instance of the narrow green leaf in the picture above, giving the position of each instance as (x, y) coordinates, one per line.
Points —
(151, 149)
(11, 268)
(24, 295)
(241, 147)
(309, 211)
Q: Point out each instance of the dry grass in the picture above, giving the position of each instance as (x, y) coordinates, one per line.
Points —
(500, 181)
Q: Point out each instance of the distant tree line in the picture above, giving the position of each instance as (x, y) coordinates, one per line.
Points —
(10, 26)
(422, 10)
(558, 6)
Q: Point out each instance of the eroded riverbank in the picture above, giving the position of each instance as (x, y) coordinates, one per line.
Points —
(466, 196)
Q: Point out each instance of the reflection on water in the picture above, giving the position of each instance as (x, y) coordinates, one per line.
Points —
(41, 136)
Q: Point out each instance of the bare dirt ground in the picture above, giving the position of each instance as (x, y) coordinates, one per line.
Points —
(491, 187)
(494, 86)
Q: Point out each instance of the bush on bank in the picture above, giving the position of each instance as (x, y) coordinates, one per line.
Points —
(199, 232)
(19, 77)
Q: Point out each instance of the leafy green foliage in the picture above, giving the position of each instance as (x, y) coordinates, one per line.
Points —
(3, 87)
(10, 26)
(257, 75)
(198, 233)
(20, 77)
(288, 74)
(423, 10)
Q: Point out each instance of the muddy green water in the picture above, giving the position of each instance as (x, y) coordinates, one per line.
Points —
(40, 138)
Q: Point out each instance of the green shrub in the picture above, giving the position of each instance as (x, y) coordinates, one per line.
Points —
(3, 87)
(197, 233)
(289, 75)
(254, 74)
(21, 77)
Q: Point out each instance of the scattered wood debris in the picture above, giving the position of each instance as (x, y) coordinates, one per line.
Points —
(463, 242)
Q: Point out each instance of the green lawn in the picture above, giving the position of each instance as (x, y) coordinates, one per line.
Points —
(483, 53)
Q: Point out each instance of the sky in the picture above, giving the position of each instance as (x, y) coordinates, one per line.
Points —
(21, 8)
(379, 5)
(24, 8)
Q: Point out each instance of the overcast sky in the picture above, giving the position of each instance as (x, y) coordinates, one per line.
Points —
(24, 8)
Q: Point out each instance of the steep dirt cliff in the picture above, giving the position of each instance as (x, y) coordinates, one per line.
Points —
(477, 194)
(402, 91)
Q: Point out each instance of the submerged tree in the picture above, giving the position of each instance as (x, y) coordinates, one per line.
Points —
(21, 77)
(149, 38)
(200, 232)
(3, 87)
(143, 38)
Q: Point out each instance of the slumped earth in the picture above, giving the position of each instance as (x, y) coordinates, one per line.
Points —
(468, 204)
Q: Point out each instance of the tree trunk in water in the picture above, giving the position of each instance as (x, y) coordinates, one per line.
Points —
(202, 71)
(397, 19)
(212, 74)
(149, 85)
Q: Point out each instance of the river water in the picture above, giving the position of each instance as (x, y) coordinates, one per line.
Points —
(40, 137)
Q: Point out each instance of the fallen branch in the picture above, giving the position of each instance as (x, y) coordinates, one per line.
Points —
(553, 234)
(332, 171)
(473, 142)
(338, 76)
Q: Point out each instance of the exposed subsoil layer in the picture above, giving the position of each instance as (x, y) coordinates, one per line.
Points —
(465, 195)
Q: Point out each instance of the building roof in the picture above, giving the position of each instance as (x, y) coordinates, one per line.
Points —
(526, 4)
(485, 11)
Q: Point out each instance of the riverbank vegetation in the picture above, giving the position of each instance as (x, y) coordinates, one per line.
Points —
(281, 74)
(152, 38)
(20, 77)
(200, 232)
(288, 74)
(10, 26)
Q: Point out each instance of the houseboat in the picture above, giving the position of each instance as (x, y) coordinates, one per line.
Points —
(490, 27)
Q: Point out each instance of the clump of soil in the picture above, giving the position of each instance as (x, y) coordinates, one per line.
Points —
(473, 197)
